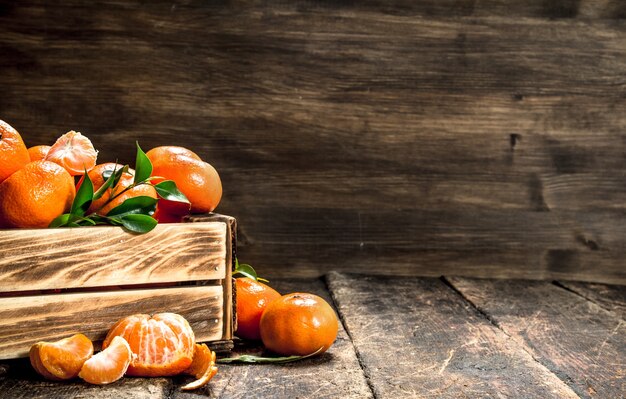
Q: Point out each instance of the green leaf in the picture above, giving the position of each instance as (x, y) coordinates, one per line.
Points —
(135, 205)
(60, 221)
(245, 269)
(167, 190)
(119, 173)
(143, 166)
(84, 196)
(86, 222)
(137, 223)
(264, 360)
(109, 176)
(97, 219)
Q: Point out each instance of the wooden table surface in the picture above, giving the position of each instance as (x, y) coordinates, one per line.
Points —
(403, 337)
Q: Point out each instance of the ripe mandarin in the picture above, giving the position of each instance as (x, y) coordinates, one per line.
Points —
(298, 324)
(38, 152)
(13, 152)
(198, 180)
(252, 299)
(35, 195)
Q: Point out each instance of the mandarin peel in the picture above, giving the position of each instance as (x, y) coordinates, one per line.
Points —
(206, 369)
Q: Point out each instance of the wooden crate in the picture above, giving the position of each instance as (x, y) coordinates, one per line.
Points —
(58, 282)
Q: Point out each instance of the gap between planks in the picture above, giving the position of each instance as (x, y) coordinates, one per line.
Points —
(493, 322)
(359, 357)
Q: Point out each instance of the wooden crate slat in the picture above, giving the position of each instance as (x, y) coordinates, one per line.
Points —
(109, 256)
(25, 320)
(576, 339)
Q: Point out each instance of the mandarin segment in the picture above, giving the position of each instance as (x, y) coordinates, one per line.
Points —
(35, 195)
(108, 365)
(74, 152)
(163, 344)
(13, 151)
(298, 324)
(63, 359)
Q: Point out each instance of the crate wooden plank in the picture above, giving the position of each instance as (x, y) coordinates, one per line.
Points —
(25, 320)
(44, 259)
(610, 297)
(335, 374)
(230, 243)
(416, 337)
(578, 340)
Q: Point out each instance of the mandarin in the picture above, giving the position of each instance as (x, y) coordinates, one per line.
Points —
(35, 195)
(298, 324)
(98, 176)
(109, 365)
(198, 180)
(163, 344)
(63, 359)
(13, 152)
(74, 152)
(252, 299)
(38, 152)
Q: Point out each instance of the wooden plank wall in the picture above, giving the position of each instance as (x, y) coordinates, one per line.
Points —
(410, 137)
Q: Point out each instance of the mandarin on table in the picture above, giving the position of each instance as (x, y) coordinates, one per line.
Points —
(35, 195)
(198, 180)
(13, 152)
(74, 152)
(38, 152)
(163, 344)
(298, 324)
(98, 178)
(63, 359)
(252, 299)
(109, 365)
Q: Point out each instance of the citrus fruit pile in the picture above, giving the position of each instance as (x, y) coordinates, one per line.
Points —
(137, 345)
(38, 187)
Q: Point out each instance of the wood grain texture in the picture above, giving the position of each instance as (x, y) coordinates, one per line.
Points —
(609, 297)
(230, 243)
(109, 256)
(484, 243)
(309, 109)
(442, 347)
(19, 381)
(578, 340)
(26, 320)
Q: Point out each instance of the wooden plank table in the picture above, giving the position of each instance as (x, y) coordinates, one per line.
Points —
(446, 337)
